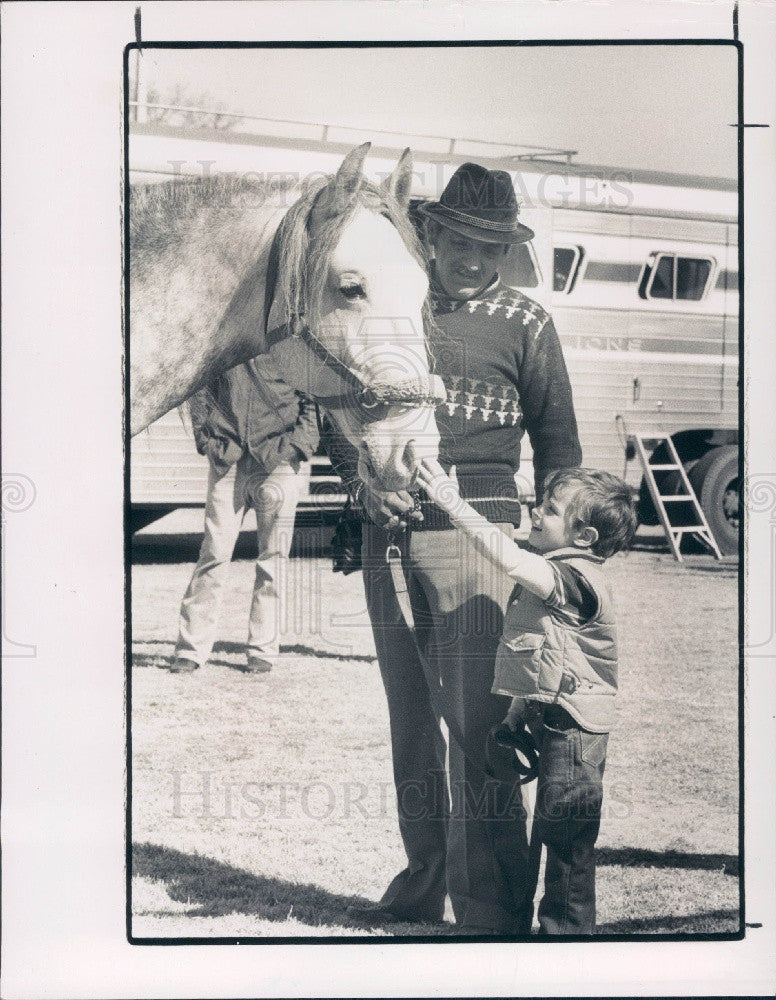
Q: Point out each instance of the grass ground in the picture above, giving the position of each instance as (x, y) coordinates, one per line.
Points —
(263, 804)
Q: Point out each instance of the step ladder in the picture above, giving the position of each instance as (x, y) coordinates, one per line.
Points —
(665, 502)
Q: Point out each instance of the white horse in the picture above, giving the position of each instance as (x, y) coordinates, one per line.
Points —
(334, 288)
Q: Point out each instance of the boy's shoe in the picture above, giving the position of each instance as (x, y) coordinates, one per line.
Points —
(182, 665)
(257, 665)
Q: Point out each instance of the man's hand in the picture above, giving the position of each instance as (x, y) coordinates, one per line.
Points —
(390, 510)
(292, 454)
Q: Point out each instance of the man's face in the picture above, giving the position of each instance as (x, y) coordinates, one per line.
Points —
(465, 266)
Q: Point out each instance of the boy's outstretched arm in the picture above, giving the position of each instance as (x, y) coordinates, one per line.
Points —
(526, 568)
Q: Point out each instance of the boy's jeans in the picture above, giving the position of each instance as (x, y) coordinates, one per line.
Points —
(568, 811)
(274, 498)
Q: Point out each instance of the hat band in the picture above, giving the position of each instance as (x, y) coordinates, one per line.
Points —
(474, 220)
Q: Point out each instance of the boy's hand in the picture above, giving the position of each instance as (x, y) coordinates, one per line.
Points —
(439, 486)
(516, 716)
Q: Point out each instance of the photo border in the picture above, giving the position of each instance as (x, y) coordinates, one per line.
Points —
(357, 939)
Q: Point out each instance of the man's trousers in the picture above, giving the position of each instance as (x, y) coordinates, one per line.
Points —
(274, 497)
(470, 843)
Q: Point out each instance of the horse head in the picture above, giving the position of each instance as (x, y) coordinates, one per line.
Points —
(351, 304)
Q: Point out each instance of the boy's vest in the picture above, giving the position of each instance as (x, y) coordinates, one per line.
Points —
(541, 659)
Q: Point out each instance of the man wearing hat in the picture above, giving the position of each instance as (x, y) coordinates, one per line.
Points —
(500, 358)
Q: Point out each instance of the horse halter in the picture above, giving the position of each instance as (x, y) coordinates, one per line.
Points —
(425, 389)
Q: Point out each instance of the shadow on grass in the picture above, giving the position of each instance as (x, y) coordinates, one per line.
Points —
(160, 661)
(164, 660)
(636, 857)
(651, 543)
(709, 922)
(218, 889)
(301, 650)
(727, 566)
(695, 555)
(164, 548)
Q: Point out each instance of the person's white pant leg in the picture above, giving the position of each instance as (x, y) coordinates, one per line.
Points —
(274, 500)
(224, 511)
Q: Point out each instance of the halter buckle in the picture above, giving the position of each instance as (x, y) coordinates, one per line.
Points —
(368, 398)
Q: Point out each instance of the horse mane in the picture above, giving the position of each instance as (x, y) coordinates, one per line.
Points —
(305, 261)
(161, 214)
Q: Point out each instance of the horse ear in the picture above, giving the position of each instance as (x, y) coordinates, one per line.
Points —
(399, 184)
(335, 198)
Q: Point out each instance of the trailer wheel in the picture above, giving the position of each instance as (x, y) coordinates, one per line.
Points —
(715, 481)
(645, 507)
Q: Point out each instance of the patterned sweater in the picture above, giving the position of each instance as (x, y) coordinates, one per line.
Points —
(502, 364)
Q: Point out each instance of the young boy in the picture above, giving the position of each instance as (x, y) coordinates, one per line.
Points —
(558, 660)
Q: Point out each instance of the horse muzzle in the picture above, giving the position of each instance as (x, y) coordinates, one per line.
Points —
(390, 452)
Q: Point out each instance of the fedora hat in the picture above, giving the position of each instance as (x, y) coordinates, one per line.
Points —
(480, 204)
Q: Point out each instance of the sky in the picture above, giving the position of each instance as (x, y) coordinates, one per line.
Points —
(652, 107)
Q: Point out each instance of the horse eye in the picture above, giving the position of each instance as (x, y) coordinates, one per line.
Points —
(353, 292)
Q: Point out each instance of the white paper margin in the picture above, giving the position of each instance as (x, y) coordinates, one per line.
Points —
(63, 719)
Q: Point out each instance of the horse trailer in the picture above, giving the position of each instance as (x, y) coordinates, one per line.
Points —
(640, 273)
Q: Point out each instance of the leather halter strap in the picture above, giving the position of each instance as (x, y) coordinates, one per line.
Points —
(422, 390)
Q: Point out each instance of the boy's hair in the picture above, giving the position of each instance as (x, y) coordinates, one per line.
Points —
(602, 501)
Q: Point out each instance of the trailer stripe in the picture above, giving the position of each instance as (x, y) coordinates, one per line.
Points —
(607, 345)
(653, 357)
(606, 270)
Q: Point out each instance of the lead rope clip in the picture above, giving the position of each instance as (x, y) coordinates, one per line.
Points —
(392, 551)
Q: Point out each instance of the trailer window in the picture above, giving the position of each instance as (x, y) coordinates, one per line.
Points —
(692, 276)
(663, 279)
(668, 276)
(727, 280)
(566, 263)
